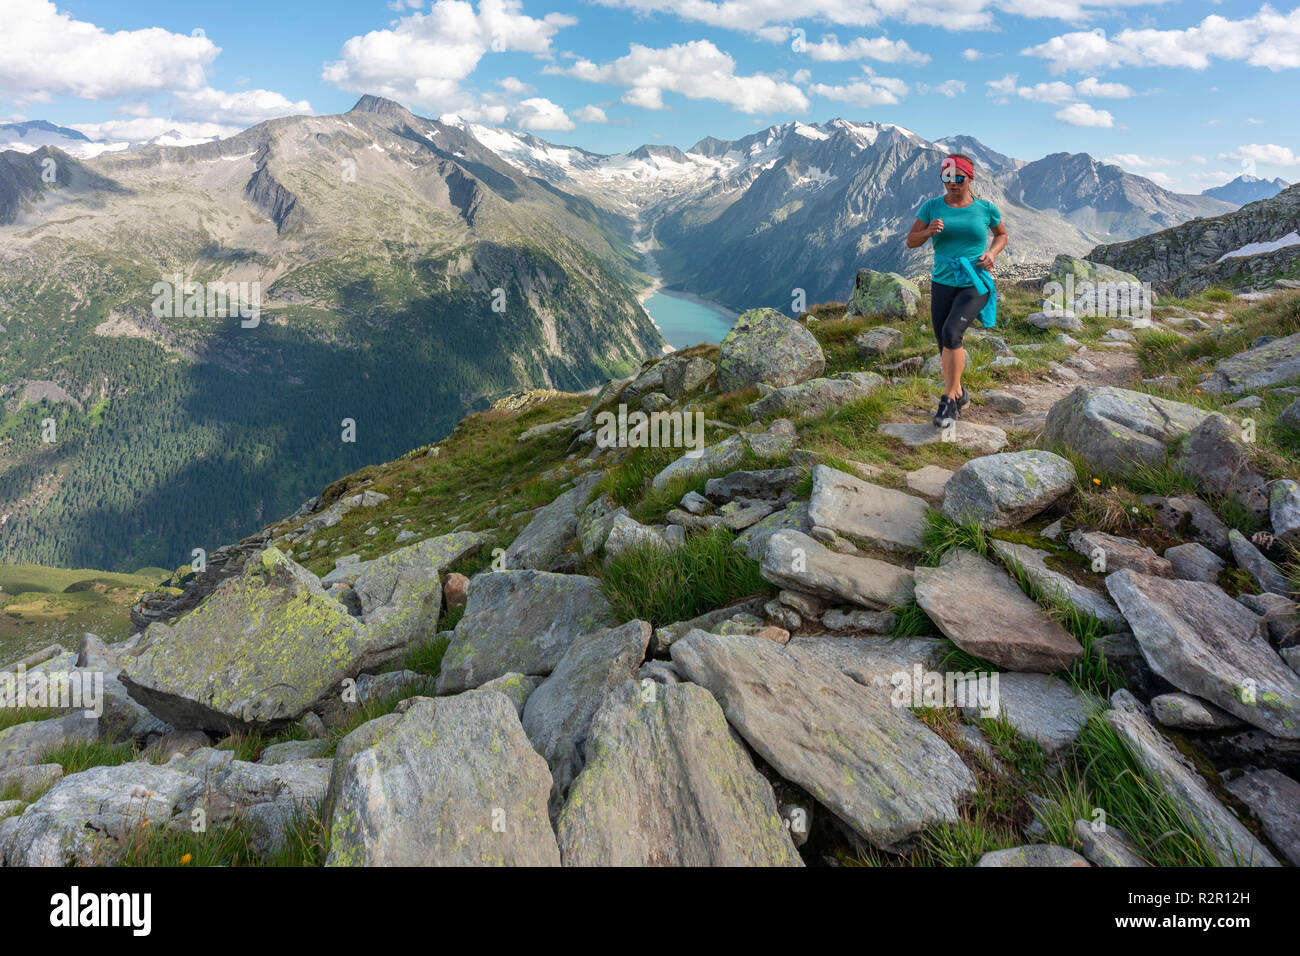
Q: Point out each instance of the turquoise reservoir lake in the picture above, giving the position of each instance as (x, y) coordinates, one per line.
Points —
(683, 322)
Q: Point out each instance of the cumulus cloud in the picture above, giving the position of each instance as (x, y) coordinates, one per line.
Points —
(245, 107)
(759, 16)
(538, 113)
(1269, 153)
(697, 70)
(423, 58)
(590, 114)
(1268, 39)
(869, 90)
(1138, 161)
(1081, 114)
(946, 88)
(48, 53)
(1056, 91)
(829, 49)
(139, 129)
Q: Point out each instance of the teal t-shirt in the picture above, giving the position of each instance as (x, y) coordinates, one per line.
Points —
(965, 234)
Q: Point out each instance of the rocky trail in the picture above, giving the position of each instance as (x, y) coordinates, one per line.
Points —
(1062, 633)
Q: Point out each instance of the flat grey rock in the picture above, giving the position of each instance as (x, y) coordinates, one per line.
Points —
(1004, 490)
(1057, 584)
(889, 519)
(794, 560)
(1275, 799)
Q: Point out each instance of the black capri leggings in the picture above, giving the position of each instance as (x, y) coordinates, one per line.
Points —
(952, 310)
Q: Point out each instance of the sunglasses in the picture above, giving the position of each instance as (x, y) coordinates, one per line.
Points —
(949, 176)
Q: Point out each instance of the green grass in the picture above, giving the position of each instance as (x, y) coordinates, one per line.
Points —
(663, 586)
(13, 716)
(426, 656)
(229, 843)
(82, 755)
(943, 535)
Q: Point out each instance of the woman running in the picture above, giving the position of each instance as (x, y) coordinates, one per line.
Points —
(961, 288)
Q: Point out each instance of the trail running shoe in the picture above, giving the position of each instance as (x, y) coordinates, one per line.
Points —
(943, 417)
(964, 399)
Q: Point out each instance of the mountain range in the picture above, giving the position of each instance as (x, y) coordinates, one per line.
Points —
(1247, 189)
(411, 270)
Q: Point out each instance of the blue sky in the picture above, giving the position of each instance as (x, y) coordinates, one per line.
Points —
(1185, 92)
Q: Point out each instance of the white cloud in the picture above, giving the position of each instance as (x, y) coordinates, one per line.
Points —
(1136, 161)
(970, 54)
(590, 114)
(1270, 154)
(423, 58)
(758, 16)
(1254, 122)
(538, 113)
(697, 70)
(1268, 39)
(946, 88)
(244, 108)
(1056, 92)
(150, 127)
(1091, 87)
(829, 49)
(48, 53)
(1081, 114)
(512, 84)
(870, 90)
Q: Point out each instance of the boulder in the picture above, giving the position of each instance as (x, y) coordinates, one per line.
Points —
(1194, 562)
(520, 622)
(595, 522)
(258, 653)
(968, 436)
(1272, 363)
(24, 744)
(1033, 855)
(1267, 576)
(883, 293)
(1284, 510)
(876, 342)
(452, 782)
(1104, 845)
(769, 484)
(766, 346)
(753, 540)
(1116, 554)
(1055, 584)
(1187, 516)
(558, 713)
(685, 374)
(983, 611)
(628, 534)
(877, 767)
(882, 517)
(1079, 271)
(1113, 428)
(664, 637)
(1275, 799)
(1230, 842)
(728, 454)
(794, 560)
(401, 593)
(665, 784)
(1208, 645)
(1186, 712)
(552, 530)
(815, 397)
(1220, 462)
(1063, 319)
(1001, 491)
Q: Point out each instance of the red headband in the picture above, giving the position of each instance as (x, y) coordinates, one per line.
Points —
(962, 163)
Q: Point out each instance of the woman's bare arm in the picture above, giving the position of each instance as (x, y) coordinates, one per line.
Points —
(999, 243)
(922, 231)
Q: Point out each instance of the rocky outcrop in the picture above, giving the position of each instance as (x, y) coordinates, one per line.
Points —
(1113, 429)
(766, 346)
(883, 293)
(1000, 491)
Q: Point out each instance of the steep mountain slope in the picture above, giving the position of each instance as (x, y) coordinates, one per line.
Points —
(1245, 189)
(407, 274)
(1101, 199)
(1260, 242)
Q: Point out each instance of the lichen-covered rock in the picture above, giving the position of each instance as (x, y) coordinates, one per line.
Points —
(766, 346)
(257, 653)
(753, 540)
(883, 517)
(86, 817)
(1001, 491)
(1189, 713)
(1266, 575)
(883, 293)
(1078, 271)
(968, 436)
(552, 529)
(595, 522)
(727, 454)
(1105, 845)
(1041, 708)
(794, 560)
(876, 342)
(452, 782)
(816, 396)
(22, 745)
(1284, 510)
(1109, 552)
(1033, 855)
(1273, 363)
(1187, 516)
(1057, 584)
(768, 484)
(1194, 562)
(983, 611)
(520, 622)
(401, 593)
(1275, 799)
(1215, 456)
(1113, 428)
(1230, 842)
(685, 374)
(665, 784)
(628, 534)
(558, 714)
(877, 767)
(1205, 643)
